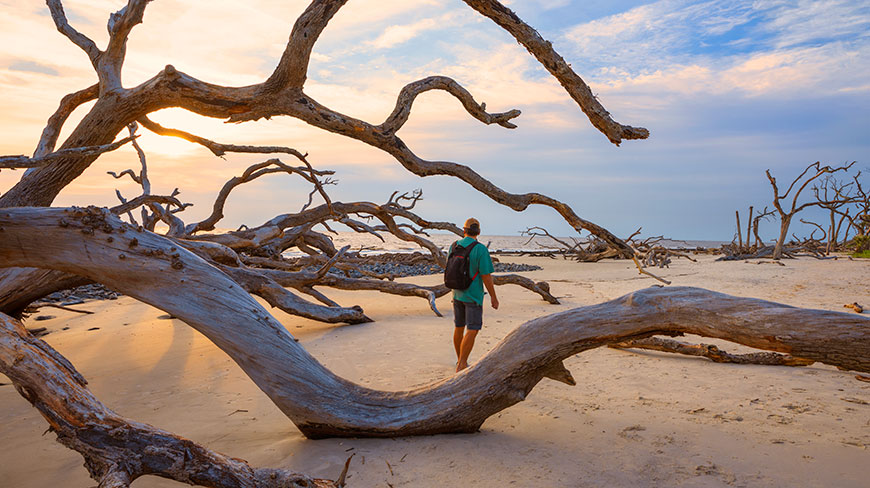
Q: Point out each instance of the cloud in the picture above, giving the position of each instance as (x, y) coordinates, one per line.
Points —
(769, 48)
(813, 21)
(727, 88)
(544, 4)
(33, 67)
(398, 34)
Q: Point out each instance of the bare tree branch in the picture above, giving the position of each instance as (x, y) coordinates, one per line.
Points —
(67, 105)
(75, 152)
(322, 404)
(543, 51)
(409, 93)
(293, 67)
(263, 286)
(77, 38)
(712, 352)
(253, 172)
(120, 24)
(145, 200)
(217, 148)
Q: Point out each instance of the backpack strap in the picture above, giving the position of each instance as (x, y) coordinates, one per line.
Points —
(471, 248)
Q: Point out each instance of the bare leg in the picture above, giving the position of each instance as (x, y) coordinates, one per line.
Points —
(457, 340)
(465, 349)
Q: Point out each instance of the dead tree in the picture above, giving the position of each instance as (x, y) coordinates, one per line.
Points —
(648, 252)
(322, 404)
(764, 215)
(833, 195)
(807, 176)
(204, 281)
(230, 250)
(859, 219)
(712, 352)
(117, 106)
(746, 248)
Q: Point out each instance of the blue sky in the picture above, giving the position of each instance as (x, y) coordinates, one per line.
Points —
(727, 89)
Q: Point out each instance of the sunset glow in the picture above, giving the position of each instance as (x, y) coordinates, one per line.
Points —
(728, 89)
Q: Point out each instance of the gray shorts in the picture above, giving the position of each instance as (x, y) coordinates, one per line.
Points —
(467, 314)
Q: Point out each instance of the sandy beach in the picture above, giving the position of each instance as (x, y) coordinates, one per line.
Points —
(634, 418)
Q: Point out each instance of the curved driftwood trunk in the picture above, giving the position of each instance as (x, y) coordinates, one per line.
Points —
(95, 244)
(19, 287)
(117, 450)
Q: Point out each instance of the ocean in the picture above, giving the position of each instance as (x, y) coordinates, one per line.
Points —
(367, 243)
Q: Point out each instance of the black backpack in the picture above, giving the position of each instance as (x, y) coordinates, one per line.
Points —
(456, 274)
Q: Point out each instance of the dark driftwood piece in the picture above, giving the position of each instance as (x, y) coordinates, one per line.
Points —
(323, 404)
(712, 352)
(117, 450)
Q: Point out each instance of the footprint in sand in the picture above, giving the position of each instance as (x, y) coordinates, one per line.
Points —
(630, 432)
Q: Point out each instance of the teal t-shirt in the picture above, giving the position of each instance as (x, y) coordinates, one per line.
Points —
(479, 263)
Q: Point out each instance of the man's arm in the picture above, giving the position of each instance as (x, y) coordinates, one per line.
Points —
(490, 288)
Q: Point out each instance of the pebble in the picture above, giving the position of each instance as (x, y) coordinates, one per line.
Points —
(81, 294)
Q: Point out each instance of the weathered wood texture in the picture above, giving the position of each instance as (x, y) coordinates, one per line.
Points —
(116, 450)
(20, 287)
(321, 404)
(712, 352)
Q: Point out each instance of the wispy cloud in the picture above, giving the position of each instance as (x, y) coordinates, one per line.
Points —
(727, 88)
(766, 47)
(33, 67)
(395, 35)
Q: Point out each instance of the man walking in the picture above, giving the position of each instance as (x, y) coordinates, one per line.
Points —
(468, 302)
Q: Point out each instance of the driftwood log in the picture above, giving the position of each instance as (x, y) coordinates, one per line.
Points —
(713, 353)
(117, 450)
(322, 404)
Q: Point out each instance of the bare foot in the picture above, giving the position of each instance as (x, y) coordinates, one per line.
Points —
(460, 367)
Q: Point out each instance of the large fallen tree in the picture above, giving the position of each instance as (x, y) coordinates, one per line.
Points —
(159, 272)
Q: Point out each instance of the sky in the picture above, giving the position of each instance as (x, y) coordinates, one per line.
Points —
(727, 89)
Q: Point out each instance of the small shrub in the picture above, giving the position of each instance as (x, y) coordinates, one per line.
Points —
(861, 244)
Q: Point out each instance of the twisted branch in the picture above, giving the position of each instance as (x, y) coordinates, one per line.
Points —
(543, 51)
(21, 161)
(117, 450)
(323, 404)
(409, 93)
(84, 42)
